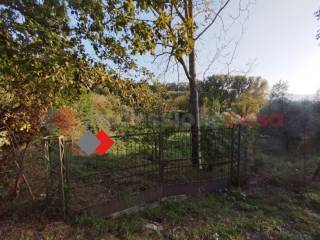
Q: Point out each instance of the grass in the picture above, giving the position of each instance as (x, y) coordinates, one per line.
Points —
(264, 214)
(261, 213)
(273, 163)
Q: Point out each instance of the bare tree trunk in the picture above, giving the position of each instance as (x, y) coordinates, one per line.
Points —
(21, 176)
(194, 104)
(194, 95)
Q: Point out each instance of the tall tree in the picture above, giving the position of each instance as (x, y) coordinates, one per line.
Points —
(50, 36)
(239, 93)
(44, 60)
(175, 26)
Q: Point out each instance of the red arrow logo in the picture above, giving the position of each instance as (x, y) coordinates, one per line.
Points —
(106, 142)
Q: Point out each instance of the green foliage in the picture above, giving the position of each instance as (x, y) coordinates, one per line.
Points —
(99, 112)
(178, 87)
(38, 64)
(43, 60)
(239, 93)
(216, 144)
(110, 113)
(179, 103)
(301, 120)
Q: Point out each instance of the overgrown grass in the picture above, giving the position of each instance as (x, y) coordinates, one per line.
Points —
(259, 214)
(273, 163)
(256, 214)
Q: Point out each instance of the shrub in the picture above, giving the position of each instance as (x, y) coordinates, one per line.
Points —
(67, 121)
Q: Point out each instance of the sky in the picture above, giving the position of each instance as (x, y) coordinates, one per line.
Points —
(278, 42)
(281, 37)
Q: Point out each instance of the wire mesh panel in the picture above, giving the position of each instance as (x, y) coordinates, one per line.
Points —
(130, 167)
(217, 148)
(176, 162)
(217, 151)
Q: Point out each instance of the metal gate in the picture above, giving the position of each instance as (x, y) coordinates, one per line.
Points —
(145, 167)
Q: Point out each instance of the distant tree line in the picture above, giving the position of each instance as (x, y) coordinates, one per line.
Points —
(220, 93)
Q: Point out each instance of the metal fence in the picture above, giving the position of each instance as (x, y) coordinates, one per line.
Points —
(145, 167)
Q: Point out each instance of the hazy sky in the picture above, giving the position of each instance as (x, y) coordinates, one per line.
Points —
(279, 38)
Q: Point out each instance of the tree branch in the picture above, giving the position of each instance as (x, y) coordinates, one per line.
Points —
(184, 66)
(215, 57)
(213, 20)
(161, 54)
(169, 60)
(229, 57)
(179, 13)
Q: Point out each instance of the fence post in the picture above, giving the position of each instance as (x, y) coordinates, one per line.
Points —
(54, 153)
(246, 144)
(161, 156)
(67, 158)
(239, 155)
(232, 155)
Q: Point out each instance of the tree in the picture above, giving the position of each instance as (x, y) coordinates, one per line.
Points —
(180, 103)
(279, 97)
(279, 91)
(44, 63)
(105, 112)
(43, 60)
(178, 87)
(172, 29)
(240, 93)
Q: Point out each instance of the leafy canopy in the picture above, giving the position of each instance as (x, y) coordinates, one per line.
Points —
(44, 57)
(239, 93)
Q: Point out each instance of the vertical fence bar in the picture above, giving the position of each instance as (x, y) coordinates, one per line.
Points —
(232, 155)
(239, 155)
(67, 158)
(62, 176)
(245, 158)
(161, 156)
